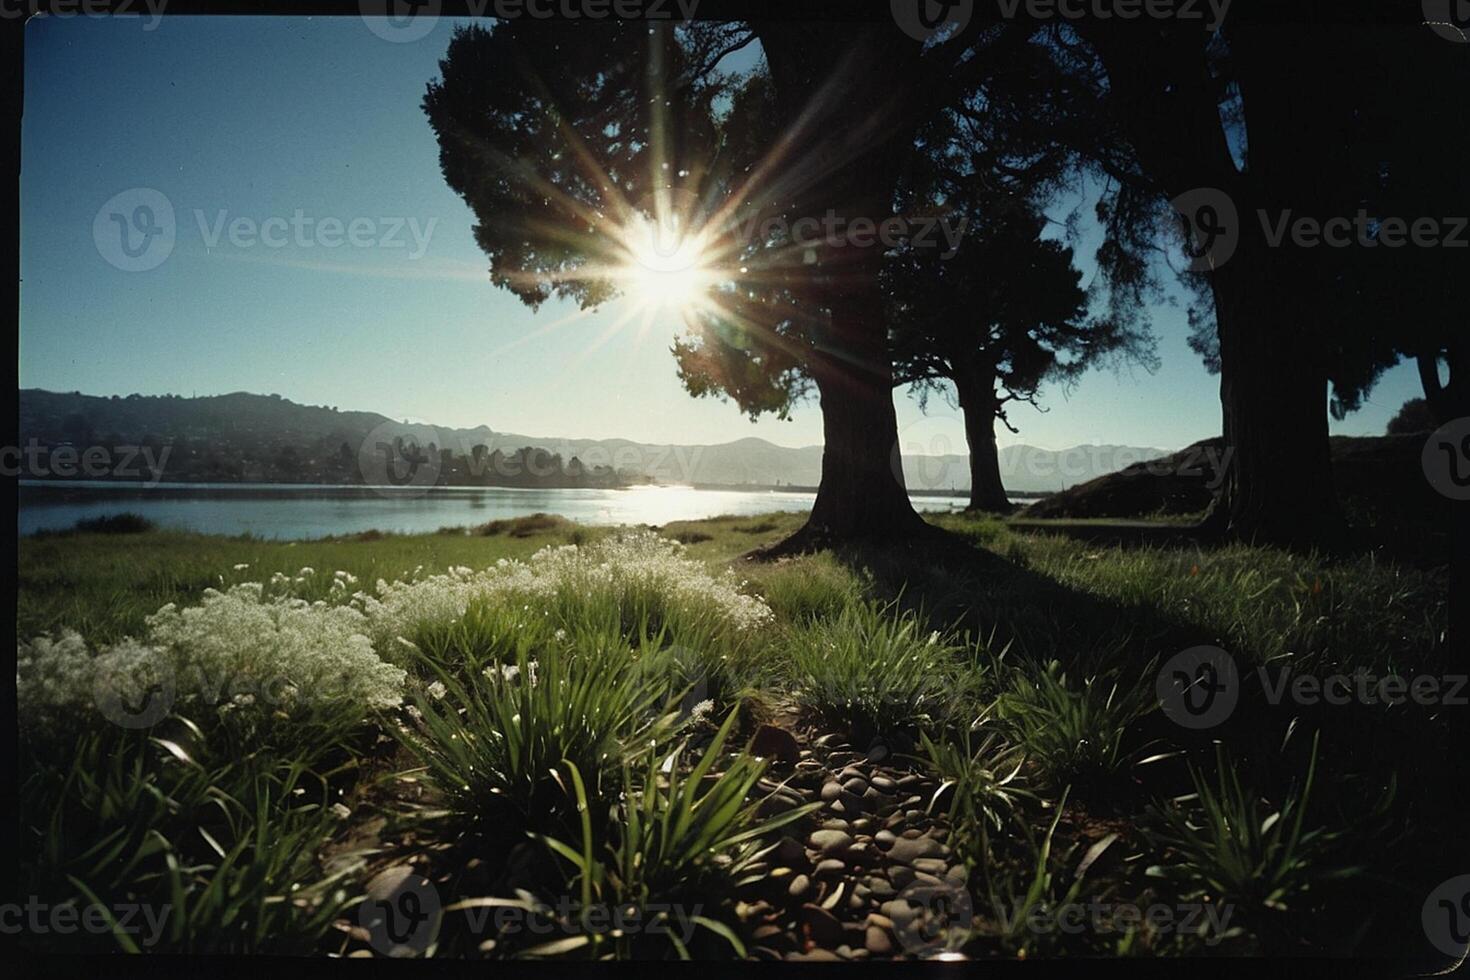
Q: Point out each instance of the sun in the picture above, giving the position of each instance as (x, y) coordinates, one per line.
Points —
(667, 268)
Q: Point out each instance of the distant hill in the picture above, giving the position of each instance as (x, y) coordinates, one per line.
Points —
(1379, 482)
(267, 438)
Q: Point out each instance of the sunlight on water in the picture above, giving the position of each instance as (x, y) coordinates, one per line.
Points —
(283, 511)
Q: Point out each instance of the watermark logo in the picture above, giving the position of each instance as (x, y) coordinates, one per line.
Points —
(1211, 227)
(111, 9)
(666, 231)
(134, 231)
(133, 691)
(931, 455)
(400, 21)
(1212, 12)
(939, 909)
(40, 918)
(1208, 921)
(1446, 459)
(405, 458)
(1446, 916)
(302, 230)
(401, 912)
(1199, 687)
(68, 462)
(532, 917)
(923, 19)
(1450, 19)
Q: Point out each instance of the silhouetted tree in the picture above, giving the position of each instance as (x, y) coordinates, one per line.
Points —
(1292, 117)
(554, 134)
(997, 320)
(1414, 417)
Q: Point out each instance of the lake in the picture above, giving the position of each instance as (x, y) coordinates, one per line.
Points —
(299, 512)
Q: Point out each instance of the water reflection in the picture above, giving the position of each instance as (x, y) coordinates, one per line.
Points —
(284, 511)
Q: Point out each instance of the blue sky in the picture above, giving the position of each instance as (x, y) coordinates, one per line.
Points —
(313, 119)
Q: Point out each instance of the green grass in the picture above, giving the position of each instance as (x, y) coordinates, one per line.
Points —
(876, 672)
(614, 759)
(1227, 843)
(493, 739)
(1076, 731)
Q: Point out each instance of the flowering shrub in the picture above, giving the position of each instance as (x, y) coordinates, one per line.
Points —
(241, 645)
(53, 680)
(259, 657)
(644, 579)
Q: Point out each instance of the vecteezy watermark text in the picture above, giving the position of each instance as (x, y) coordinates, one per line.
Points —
(301, 230)
(1212, 228)
(404, 21)
(37, 461)
(136, 230)
(1200, 687)
(1206, 920)
(18, 9)
(1211, 12)
(838, 231)
(403, 912)
(67, 918)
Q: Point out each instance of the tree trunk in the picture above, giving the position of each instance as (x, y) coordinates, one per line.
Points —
(1273, 391)
(862, 494)
(1450, 400)
(853, 146)
(978, 406)
(1273, 380)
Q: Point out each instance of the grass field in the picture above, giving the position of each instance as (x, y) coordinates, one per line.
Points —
(573, 724)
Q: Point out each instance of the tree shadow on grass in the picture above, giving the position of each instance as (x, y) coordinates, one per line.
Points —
(1365, 749)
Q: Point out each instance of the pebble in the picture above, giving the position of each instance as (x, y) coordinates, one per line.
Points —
(898, 912)
(873, 841)
(771, 742)
(907, 850)
(877, 941)
(822, 925)
(768, 932)
(830, 841)
(880, 888)
(789, 851)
